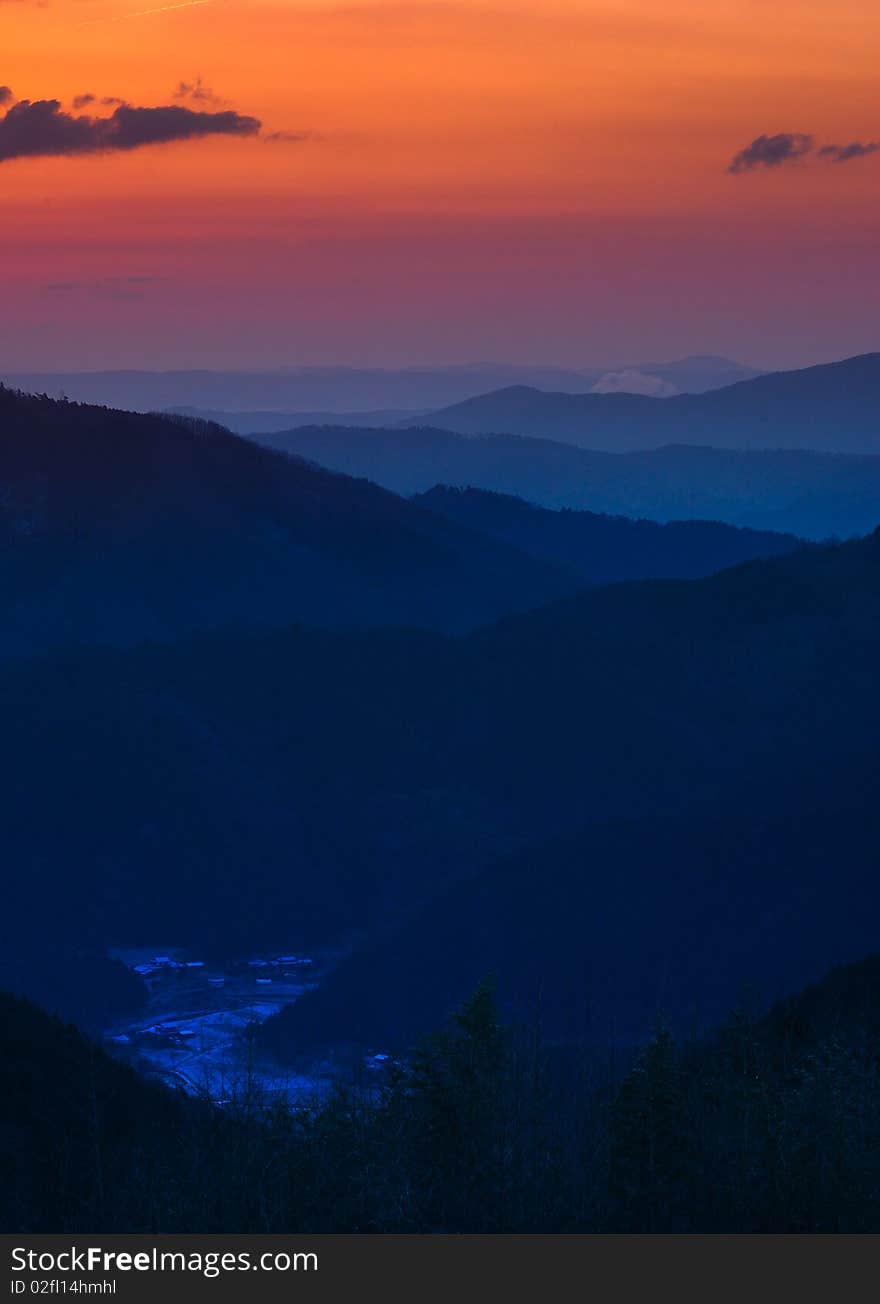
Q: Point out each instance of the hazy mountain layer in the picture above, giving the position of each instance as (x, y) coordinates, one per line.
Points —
(349, 389)
(813, 495)
(832, 408)
(606, 549)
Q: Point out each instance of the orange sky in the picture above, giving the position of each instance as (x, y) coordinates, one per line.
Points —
(520, 180)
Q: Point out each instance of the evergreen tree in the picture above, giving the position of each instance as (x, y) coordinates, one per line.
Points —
(458, 1090)
(649, 1143)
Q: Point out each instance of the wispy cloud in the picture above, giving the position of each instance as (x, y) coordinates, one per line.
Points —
(855, 149)
(288, 137)
(6, 96)
(771, 151)
(197, 91)
(145, 13)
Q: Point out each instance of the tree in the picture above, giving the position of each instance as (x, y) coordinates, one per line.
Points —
(650, 1144)
(458, 1097)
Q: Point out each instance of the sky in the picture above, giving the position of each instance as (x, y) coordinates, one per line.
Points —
(265, 183)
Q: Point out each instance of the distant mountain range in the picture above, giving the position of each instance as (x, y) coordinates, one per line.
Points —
(335, 391)
(694, 375)
(118, 527)
(690, 375)
(832, 408)
(813, 495)
(257, 423)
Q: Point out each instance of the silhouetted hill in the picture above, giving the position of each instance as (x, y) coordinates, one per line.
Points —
(813, 495)
(303, 786)
(764, 1126)
(831, 408)
(606, 549)
(736, 707)
(54, 969)
(628, 925)
(118, 527)
(88, 1144)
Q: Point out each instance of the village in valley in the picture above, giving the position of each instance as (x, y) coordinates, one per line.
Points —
(196, 1030)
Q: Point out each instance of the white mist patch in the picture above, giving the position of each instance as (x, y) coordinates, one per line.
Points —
(632, 381)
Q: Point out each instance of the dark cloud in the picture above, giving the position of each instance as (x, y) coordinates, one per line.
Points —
(82, 101)
(6, 96)
(42, 128)
(843, 153)
(198, 91)
(771, 151)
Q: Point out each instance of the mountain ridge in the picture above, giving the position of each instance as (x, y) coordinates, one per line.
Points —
(339, 388)
(605, 549)
(834, 407)
(811, 494)
(210, 775)
(119, 526)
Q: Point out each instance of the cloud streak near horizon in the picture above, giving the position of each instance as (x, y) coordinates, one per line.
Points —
(41, 129)
(771, 151)
(790, 147)
(844, 153)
